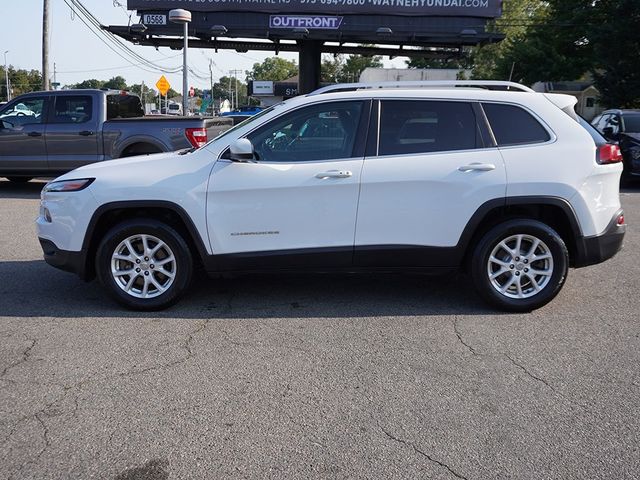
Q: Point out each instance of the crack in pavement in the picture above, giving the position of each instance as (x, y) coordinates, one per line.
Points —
(459, 335)
(420, 452)
(25, 356)
(547, 384)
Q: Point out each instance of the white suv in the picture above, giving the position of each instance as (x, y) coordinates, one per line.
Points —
(489, 177)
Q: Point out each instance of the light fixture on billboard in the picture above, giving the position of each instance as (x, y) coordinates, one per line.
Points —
(218, 30)
(138, 28)
(301, 32)
(384, 32)
(468, 33)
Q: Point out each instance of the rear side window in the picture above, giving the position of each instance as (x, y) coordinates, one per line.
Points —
(597, 138)
(410, 126)
(73, 109)
(513, 125)
(124, 106)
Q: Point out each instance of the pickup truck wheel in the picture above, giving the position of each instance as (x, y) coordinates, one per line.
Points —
(520, 265)
(19, 179)
(140, 149)
(144, 264)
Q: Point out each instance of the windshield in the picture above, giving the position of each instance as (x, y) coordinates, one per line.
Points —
(632, 123)
(246, 122)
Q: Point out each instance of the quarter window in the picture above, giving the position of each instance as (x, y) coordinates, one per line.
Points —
(325, 131)
(513, 125)
(408, 127)
(73, 109)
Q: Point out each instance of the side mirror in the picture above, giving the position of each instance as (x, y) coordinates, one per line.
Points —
(241, 150)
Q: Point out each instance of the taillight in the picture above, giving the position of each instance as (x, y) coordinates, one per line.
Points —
(609, 153)
(196, 136)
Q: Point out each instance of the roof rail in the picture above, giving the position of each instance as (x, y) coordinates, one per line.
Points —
(486, 84)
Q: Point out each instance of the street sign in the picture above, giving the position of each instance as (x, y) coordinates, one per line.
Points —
(163, 85)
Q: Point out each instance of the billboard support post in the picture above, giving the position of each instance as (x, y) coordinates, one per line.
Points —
(310, 62)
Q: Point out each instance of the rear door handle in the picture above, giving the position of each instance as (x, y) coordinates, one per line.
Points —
(34, 134)
(335, 174)
(86, 133)
(479, 167)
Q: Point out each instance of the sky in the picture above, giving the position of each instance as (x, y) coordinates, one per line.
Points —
(79, 55)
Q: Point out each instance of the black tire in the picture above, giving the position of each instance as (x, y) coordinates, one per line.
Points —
(19, 179)
(182, 266)
(549, 285)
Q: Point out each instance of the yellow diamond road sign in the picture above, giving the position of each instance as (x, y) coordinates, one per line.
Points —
(163, 85)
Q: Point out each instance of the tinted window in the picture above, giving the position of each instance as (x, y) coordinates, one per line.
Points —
(613, 122)
(597, 138)
(513, 125)
(23, 112)
(73, 109)
(321, 132)
(124, 106)
(632, 123)
(423, 126)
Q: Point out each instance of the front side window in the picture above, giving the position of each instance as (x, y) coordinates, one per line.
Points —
(26, 111)
(409, 126)
(614, 124)
(326, 131)
(513, 125)
(73, 109)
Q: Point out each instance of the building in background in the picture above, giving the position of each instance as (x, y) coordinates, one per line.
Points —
(587, 95)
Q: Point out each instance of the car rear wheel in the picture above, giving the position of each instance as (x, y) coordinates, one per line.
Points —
(144, 264)
(520, 265)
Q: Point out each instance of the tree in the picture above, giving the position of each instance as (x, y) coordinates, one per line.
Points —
(614, 33)
(21, 81)
(275, 69)
(330, 68)
(355, 65)
(116, 83)
(92, 83)
(491, 61)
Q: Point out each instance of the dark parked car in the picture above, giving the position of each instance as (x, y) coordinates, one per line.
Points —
(623, 126)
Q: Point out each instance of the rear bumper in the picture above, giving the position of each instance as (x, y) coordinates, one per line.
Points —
(597, 249)
(73, 262)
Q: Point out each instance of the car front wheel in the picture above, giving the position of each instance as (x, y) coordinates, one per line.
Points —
(144, 264)
(520, 265)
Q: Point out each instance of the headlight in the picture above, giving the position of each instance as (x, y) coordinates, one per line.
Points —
(68, 185)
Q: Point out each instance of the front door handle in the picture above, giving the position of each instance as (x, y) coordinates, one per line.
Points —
(86, 133)
(335, 174)
(478, 167)
(34, 134)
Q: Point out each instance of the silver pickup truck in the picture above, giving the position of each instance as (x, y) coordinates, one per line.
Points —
(49, 133)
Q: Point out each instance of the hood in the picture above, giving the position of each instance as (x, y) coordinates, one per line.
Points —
(633, 136)
(123, 165)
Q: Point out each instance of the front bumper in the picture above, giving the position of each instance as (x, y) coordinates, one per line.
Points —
(73, 262)
(597, 249)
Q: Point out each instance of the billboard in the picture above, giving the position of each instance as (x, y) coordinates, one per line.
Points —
(463, 8)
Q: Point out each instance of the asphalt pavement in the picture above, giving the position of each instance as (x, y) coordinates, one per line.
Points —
(315, 377)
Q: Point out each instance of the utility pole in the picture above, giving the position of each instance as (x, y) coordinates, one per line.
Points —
(211, 79)
(55, 75)
(144, 104)
(234, 74)
(230, 92)
(6, 75)
(45, 45)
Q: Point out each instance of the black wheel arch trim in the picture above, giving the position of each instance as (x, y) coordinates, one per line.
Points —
(85, 271)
